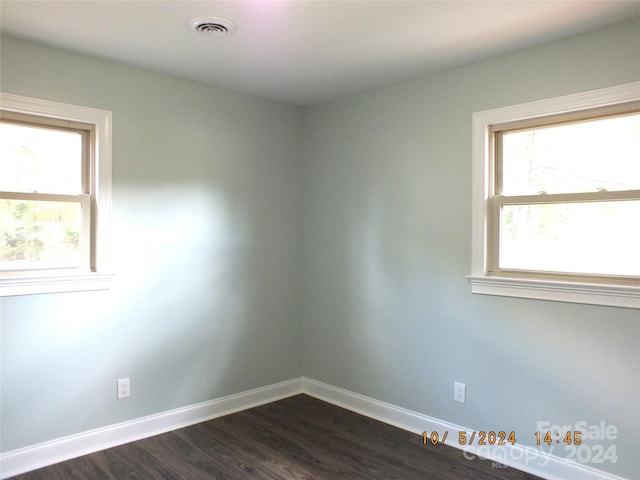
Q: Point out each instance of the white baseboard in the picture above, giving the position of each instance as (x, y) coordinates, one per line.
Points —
(528, 459)
(61, 449)
(523, 458)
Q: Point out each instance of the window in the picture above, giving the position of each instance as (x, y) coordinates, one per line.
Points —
(556, 199)
(55, 193)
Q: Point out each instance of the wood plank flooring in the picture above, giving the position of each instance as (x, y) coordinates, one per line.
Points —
(298, 438)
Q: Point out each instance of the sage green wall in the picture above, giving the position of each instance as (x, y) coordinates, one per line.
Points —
(388, 310)
(207, 244)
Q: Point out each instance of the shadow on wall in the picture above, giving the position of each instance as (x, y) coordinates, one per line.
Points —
(182, 280)
(398, 278)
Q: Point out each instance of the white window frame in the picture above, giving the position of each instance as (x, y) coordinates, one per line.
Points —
(482, 282)
(99, 276)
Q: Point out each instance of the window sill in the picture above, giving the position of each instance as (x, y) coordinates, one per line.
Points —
(560, 291)
(31, 285)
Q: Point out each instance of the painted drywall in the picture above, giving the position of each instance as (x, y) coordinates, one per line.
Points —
(207, 241)
(388, 308)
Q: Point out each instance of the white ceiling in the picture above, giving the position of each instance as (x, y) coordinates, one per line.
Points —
(304, 52)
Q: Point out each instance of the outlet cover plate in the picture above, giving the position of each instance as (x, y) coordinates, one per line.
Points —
(124, 388)
(459, 392)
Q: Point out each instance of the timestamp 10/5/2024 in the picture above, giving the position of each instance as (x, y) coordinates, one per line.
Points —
(501, 438)
(471, 438)
(572, 441)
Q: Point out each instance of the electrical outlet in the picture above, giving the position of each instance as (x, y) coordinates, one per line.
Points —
(459, 392)
(124, 388)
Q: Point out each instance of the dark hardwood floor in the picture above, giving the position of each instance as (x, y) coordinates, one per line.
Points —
(298, 438)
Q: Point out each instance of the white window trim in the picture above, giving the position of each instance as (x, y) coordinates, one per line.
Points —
(100, 278)
(565, 291)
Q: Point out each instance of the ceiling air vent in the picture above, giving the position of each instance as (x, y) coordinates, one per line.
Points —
(213, 25)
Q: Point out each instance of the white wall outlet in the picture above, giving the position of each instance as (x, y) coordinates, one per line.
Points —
(124, 388)
(459, 392)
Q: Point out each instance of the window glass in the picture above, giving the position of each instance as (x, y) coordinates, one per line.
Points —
(37, 159)
(39, 234)
(584, 238)
(583, 156)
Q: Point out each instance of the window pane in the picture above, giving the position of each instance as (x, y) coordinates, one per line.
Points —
(44, 160)
(596, 237)
(575, 157)
(38, 234)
